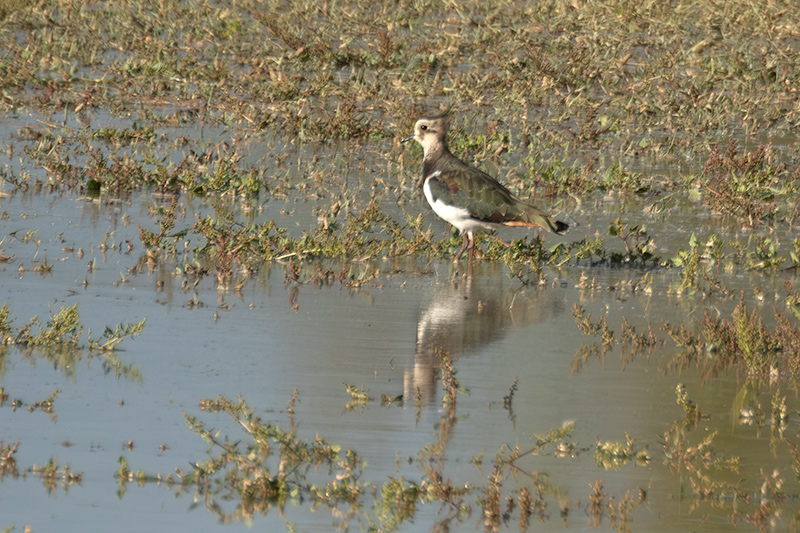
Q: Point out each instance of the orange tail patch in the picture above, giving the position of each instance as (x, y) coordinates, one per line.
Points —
(519, 223)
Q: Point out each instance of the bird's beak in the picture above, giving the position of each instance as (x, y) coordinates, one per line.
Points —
(407, 138)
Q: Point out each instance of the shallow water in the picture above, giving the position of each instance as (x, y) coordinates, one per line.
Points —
(273, 337)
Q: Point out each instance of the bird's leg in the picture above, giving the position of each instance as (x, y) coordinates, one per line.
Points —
(471, 249)
(467, 241)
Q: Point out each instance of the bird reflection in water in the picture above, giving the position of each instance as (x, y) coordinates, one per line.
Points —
(463, 315)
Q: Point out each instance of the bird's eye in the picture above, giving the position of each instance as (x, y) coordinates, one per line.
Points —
(423, 127)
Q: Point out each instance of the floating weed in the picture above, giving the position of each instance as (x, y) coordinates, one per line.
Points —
(46, 405)
(228, 179)
(54, 477)
(697, 266)
(398, 503)
(638, 245)
(388, 400)
(62, 330)
(8, 465)
(44, 268)
(555, 176)
(765, 256)
(124, 476)
(359, 398)
(229, 244)
(4, 258)
(614, 455)
(59, 341)
(566, 99)
(51, 475)
(134, 134)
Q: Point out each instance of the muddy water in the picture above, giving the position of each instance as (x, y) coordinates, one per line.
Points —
(272, 338)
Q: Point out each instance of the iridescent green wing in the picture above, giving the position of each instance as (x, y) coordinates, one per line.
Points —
(467, 187)
(485, 198)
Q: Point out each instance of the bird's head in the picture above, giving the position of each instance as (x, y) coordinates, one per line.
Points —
(430, 133)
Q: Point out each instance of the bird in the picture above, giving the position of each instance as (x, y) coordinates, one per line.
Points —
(465, 196)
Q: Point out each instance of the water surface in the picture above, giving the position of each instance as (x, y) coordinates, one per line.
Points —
(274, 336)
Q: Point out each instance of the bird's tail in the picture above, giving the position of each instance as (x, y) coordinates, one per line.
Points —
(535, 217)
(556, 226)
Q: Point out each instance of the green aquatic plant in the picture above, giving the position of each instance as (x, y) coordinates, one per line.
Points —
(743, 337)
(747, 185)
(614, 455)
(276, 467)
(62, 330)
(638, 245)
(155, 243)
(359, 398)
(272, 467)
(59, 341)
(54, 477)
(136, 133)
(50, 474)
(229, 179)
(8, 464)
(699, 265)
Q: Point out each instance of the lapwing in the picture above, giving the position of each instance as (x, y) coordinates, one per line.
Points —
(466, 197)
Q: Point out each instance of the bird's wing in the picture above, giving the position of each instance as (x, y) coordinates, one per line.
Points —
(485, 198)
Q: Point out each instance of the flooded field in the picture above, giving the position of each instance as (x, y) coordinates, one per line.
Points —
(290, 350)
(227, 305)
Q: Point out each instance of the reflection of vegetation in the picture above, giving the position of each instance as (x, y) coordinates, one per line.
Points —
(273, 467)
(766, 351)
(359, 398)
(58, 341)
(614, 455)
(715, 478)
(599, 329)
(744, 338)
(51, 475)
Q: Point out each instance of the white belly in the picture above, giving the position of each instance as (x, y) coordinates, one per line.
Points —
(457, 216)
